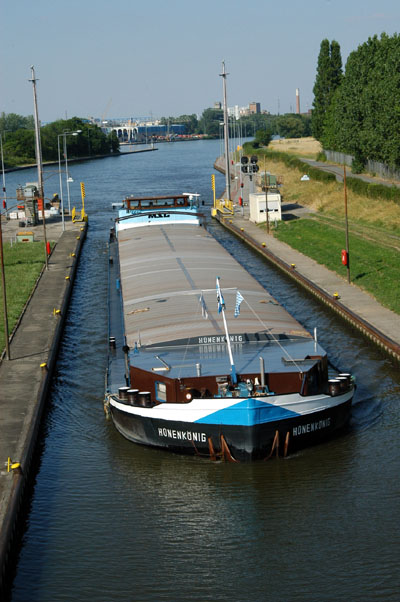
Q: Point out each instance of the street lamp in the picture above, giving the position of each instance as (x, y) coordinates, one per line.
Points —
(3, 172)
(65, 134)
(61, 187)
(3, 286)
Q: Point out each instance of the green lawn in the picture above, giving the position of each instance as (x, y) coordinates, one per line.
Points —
(372, 267)
(23, 263)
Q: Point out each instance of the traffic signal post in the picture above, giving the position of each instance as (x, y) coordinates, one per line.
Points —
(250, 167)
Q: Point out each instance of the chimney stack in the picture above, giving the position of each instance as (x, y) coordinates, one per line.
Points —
(297, 101)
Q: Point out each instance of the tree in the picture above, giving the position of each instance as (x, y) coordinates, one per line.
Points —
(263, 137)
(328, 79)
(210, 120)
(363, 119)
(12, 122)
(19, 148)
(189, 121)
(292, 125)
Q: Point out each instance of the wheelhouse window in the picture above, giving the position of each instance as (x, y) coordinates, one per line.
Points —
(161, 391)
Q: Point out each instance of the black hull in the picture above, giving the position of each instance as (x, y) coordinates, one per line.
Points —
(243, 443)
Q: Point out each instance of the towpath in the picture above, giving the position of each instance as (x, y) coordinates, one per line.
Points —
(337, 170)
(25, 378)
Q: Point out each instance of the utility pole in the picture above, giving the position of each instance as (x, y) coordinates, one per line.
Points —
(3, 282)
(347, 225)
(38, 149)
(266, 192)
(226, 135)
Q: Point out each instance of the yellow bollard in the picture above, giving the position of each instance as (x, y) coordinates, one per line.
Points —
(12, 465)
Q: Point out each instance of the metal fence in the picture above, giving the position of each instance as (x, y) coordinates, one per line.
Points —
(373, 167)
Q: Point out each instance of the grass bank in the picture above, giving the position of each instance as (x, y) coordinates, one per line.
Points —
(323, 194)
(373, 267)
(23, 263)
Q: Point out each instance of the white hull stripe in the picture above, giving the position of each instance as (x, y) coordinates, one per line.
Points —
(241, 412)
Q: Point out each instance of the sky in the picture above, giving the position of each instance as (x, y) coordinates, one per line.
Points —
(125, 58)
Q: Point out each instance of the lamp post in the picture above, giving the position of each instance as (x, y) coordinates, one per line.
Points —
(3, 283)
(38, 148)
(3, 174)
(65, 134)
(61, 186)
(226, 134)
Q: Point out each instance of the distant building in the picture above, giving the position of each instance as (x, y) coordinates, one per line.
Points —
(234, 111)
(217, 105)
(254, 107)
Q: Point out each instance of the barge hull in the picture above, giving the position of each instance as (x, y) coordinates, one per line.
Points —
(245, 443)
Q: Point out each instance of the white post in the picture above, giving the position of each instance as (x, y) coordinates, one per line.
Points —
(4, 174)
(221, 304)
(61, 187)
(66, 172)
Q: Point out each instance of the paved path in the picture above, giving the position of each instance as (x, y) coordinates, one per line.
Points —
(351, 297)
(23, 382)
(338, 171)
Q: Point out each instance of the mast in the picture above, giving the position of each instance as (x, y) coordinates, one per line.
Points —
(226, 135)
(221, 308)
(38, 149)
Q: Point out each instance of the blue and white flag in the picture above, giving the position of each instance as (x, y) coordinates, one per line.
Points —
(220, 299)
(239, 299)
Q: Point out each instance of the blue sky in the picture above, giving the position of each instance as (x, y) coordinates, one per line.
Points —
(160, 57)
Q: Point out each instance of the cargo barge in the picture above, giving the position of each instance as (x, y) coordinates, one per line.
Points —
(202, 359)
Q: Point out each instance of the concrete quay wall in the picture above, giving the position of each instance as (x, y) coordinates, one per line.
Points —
(25, 381)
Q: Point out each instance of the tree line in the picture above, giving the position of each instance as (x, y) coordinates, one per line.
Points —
(18, 135)
(289, 125)
(18, 139)
(357, 112)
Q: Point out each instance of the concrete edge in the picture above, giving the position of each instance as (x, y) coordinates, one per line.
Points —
(9, 527)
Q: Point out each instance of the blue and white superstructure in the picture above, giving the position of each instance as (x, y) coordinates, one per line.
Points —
(202, 359)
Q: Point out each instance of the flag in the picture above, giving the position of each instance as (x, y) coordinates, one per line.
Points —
(220, 299)
(239, 299)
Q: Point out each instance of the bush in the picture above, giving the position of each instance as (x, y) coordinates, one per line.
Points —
(357, 165)
(374, 191)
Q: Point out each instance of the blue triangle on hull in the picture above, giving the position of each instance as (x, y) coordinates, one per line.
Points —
(248, 412)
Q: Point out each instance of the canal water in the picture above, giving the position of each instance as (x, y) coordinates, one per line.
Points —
(111, 521)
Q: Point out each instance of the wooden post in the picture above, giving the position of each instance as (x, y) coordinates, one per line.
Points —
(347, 224)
